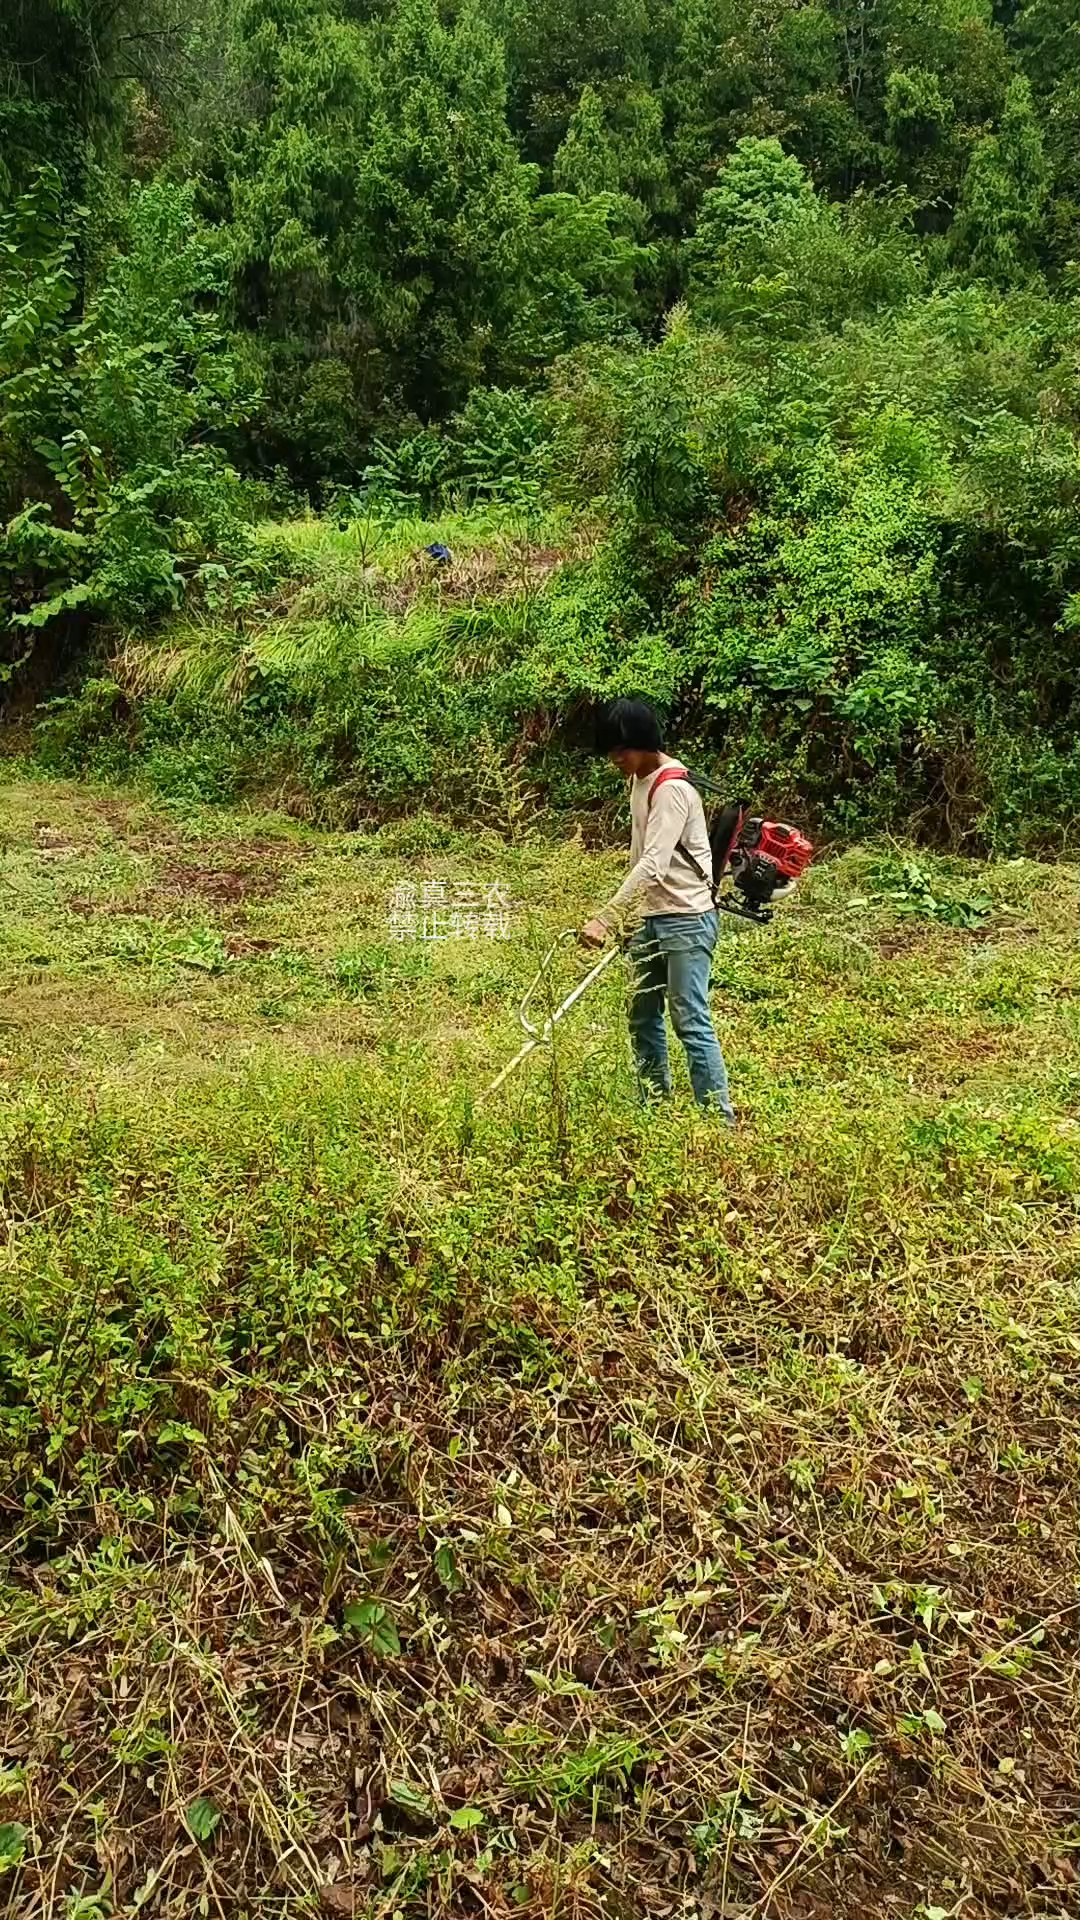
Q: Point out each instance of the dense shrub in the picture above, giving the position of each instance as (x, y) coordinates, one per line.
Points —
(107, 415)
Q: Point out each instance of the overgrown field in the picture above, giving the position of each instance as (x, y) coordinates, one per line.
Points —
(419, 1506)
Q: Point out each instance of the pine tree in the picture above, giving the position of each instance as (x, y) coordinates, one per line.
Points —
(999, 221)
(587, 162)
(445, 201)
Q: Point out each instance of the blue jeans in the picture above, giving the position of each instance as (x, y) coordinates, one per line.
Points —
(672, 955)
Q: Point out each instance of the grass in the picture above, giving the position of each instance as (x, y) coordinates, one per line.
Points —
(350, 677)
(390, 546)
(416, 1506)
(356, 594)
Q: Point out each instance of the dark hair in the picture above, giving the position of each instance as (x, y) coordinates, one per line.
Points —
(628, 723)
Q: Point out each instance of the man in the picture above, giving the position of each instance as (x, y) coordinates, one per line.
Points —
(670, 882)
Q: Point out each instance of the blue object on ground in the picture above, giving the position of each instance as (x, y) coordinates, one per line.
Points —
(438, 552)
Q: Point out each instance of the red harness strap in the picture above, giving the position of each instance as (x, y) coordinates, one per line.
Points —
(665, 773)
(680, 773)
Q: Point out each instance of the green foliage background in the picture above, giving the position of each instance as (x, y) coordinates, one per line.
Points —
(781, 305)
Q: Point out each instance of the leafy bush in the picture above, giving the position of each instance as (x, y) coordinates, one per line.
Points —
(847, 567)
(494, 448)
(772, 258)
(106, 415)
(497, 444)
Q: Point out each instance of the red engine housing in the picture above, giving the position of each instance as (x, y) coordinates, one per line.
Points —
(788, 849)
(767, 858)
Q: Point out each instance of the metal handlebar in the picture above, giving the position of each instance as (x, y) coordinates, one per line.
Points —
(538, 1035)
(570, 934)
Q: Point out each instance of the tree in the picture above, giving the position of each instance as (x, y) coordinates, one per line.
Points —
(999, 221)
(760, 188)
(557, 48)
(731, 254)
(582, 271)
(769, 71)
(66, 69)
(108, 415)
(587, 161)
(615, 144)
(380, 210)
(920, 120)
(444, 202)
(770, 257)
(1046, 36)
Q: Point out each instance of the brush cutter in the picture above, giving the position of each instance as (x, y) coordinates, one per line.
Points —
(539, 1036)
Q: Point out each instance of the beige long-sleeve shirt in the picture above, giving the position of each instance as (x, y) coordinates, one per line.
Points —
(660, 880)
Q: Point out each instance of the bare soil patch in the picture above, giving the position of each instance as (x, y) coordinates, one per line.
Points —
(223, 886)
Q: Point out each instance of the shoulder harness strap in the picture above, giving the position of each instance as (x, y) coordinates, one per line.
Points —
(680, 773)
